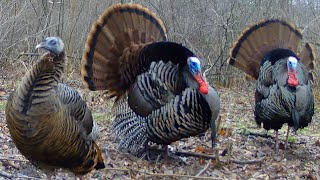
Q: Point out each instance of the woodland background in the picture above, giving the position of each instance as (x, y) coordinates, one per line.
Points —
(207, 27)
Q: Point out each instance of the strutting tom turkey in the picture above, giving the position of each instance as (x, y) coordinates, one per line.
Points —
(161, 95)
(48, 121)
(268, 52)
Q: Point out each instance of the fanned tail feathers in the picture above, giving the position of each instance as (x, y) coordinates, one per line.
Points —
(307, 58)
(255, 42)
(110, 60)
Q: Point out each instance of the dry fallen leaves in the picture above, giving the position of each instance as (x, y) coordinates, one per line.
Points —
(244, 149)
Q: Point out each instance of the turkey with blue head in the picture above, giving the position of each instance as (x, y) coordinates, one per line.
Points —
(268, 53)
(161, 94)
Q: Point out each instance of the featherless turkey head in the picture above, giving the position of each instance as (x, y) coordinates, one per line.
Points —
(195, 69)
(53, 44)
(292, 71)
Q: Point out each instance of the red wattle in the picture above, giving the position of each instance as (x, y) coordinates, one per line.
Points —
(203, 85)
(292, 80)
(204, 89)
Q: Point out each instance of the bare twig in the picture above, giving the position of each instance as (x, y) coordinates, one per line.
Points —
(37, 54)
(248, 133)
(311, 22)
(214, 157)
(28, 54)
(204, 169)
(74, 24)
(179, 153)
(10, 163)
(23, 39)
(8, 159)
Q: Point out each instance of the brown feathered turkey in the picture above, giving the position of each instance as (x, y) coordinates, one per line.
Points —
(161, 94)
(267, 51)
(49, 122)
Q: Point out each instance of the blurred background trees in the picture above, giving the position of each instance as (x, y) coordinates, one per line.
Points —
(208, 27)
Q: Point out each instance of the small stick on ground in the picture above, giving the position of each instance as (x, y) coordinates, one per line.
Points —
(214, 157)
(10, 163)
(248, 133)
(204, 169)
(17, 160)
(206, 156)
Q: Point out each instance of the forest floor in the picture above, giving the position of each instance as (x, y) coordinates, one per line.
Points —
(241, 155)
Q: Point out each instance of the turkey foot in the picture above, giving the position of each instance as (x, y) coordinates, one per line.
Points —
(169, 156)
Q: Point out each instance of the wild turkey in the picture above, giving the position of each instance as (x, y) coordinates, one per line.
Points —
(49, 122)
(267, 51)
(161, 94)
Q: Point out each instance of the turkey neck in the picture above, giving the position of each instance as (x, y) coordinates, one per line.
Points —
(213, 100)
(38, 84)
(188, 78)
(212, 97)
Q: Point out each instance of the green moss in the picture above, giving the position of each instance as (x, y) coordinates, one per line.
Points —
(240, 123)
(292, 139)
(316, 109)
(101, 117)
(2, 105)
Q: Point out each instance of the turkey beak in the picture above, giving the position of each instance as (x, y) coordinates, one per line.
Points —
(41, 45)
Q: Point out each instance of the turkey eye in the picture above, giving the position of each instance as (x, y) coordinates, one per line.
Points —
(52, 42)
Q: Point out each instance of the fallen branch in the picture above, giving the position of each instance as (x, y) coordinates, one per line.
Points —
(158, 174)
(248, 133)
(17, 160)
(206, 156)
(214, 157)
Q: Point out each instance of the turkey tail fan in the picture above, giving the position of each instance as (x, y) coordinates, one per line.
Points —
(307, 58)
(255, 42)
(109, 61)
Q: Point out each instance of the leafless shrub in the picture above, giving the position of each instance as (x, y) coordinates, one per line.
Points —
(208, 27)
